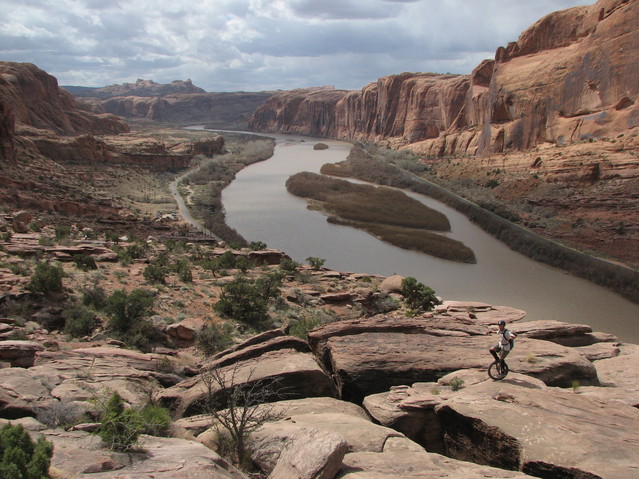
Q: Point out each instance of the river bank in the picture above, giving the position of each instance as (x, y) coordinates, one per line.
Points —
(258, 205)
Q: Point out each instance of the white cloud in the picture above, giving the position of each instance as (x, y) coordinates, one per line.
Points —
(225, 45)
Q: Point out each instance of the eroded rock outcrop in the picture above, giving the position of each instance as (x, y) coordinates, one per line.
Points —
(569, 76)
(517, 424)
(371, 355)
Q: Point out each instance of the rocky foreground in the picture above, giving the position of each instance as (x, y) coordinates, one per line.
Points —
(374, 397)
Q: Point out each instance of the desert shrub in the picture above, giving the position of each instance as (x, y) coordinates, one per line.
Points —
(257, 245)
(154, 273)
(94, 296)
(78, 321)
(211, 265)
(112, 236)
(226, 261)
(456, 384)
(316, 263)
(269, 285)
(21, 269)
(85, 262)
(303, 325)
(242, 299)
(6, 236)
(45, 240)
(46, 279)
(127, 310)
(120, 427)
(20, 457)
(61, 414)
(157, 420)
(418, 295)
(62, 232)
(288, 266)
(242, 263)
(183, 270)
(214, 338)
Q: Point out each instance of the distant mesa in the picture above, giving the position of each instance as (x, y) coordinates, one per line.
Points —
(144, 88)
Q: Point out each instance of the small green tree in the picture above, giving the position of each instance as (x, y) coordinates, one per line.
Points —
(126, 310)
(241, 299)
(288, 266)
(78, 321)
(46, 279)
(84, 262)
(120, 427)
(20, 458)
(418, 295)
(316, 263)
(183, 270)
(155, 273)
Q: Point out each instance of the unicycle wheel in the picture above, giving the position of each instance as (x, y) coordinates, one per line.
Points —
(497, 371)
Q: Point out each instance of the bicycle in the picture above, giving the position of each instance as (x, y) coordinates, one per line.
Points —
(498, 370)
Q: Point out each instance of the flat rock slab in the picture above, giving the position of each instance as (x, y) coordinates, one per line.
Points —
(78, 454)
(370, 362)
(545, 432)
(78, 375)
(619, 375)
(416, 465)
(296, 374)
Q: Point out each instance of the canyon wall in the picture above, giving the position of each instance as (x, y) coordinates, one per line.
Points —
(572, 75)
(220, 110)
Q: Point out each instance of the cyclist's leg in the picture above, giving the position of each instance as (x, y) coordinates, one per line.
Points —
(493, 351)
(502, 355)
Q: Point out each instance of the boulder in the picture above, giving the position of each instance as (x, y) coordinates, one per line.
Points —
(186, 330)
(392, 284)
(411, 410)
(21, 394)
(287, 371)
(310, 454)
(545, 432)
(19, 353)
(567, 334)
(372, 361)
(416, 465)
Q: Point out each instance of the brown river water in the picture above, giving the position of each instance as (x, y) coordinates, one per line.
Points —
(259, 207)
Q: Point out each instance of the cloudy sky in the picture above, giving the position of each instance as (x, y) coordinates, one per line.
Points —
(254, 45)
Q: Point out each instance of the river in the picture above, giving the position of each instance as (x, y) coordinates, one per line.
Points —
(259, 207)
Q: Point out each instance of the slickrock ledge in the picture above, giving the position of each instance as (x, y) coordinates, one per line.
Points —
(517, 424)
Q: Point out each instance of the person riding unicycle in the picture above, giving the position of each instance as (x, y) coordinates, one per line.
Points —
(505, 343)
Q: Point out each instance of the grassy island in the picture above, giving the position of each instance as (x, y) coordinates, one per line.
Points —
(386, 213)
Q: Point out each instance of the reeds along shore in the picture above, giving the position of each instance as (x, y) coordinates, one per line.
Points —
(618, 278)
(387, 214)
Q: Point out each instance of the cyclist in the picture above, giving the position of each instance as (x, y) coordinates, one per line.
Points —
(504, 345)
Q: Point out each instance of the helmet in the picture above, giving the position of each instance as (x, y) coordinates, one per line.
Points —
(502, 323)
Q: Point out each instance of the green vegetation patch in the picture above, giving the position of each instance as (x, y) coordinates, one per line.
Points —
(366, 203)
(387, 214)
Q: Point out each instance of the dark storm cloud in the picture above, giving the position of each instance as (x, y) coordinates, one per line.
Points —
(259, 44)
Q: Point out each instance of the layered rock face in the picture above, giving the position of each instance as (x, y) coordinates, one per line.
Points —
(571, 75)
(33, 98)
(139, 88)
(221, 110)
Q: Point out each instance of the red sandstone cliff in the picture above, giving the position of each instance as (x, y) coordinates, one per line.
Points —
(571, 75)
